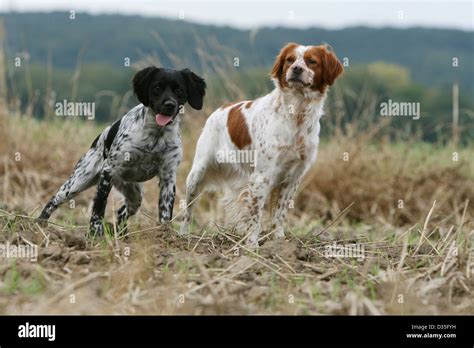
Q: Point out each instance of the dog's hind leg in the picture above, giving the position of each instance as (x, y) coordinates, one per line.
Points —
(133, 194)
(194, 183)
(84, 175)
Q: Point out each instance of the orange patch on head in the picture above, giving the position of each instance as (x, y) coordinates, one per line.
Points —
(283, 61)
(325, 65)
(237, 128)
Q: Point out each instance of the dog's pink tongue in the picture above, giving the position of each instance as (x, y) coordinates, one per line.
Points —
(162, 120)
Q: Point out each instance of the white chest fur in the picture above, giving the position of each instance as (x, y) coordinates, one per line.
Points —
(285, 127)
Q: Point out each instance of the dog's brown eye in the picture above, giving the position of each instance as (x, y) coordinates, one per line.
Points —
(312, 61)
(179, 91)
(156, 89)
(290, 59)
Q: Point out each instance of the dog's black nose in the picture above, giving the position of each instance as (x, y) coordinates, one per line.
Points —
(169, 104)
(297, 69)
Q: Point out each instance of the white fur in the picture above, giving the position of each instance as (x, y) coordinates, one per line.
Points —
(284, 147)
(307, 74)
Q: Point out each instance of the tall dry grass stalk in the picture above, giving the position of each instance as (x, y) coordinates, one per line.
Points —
(48, 102)
(77, 74)
(3, 69)
(392, 186)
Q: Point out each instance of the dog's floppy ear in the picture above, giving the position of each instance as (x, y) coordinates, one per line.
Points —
(140, 82)
(195, 87)
(278, 66)
(332, 67)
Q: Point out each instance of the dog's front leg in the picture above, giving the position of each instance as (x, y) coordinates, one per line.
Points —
(167, 195)
(167, 176)
(100, 202)
(259, 189)
(279, 204)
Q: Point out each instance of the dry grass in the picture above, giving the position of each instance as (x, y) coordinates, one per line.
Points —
(390, 184)
(417, 260)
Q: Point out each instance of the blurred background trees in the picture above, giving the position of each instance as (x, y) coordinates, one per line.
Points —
(86, 59)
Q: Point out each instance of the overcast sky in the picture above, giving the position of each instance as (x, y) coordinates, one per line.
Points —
(258, 13)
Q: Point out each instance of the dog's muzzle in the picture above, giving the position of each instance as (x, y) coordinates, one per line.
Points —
(167, 111)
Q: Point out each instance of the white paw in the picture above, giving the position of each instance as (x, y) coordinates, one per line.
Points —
(183, 229)
(279, 232)
(252, 241)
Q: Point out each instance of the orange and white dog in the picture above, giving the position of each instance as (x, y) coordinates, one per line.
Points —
(261, 149)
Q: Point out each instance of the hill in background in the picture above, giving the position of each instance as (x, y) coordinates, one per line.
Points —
(427, 53)
(84, 60)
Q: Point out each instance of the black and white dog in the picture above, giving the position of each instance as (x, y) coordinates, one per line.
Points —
(144, 143)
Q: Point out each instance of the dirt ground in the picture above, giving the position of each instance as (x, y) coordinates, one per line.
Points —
(154, 271)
